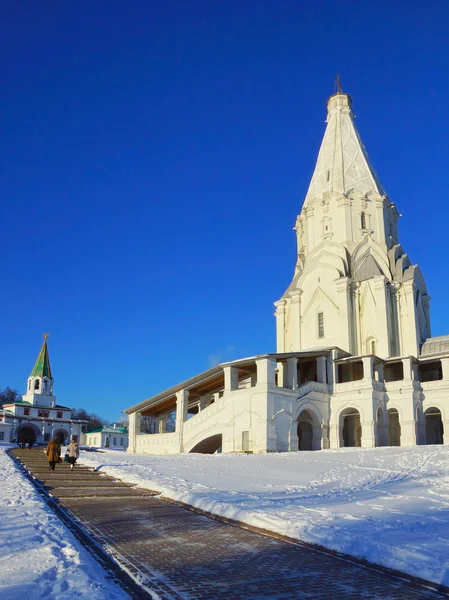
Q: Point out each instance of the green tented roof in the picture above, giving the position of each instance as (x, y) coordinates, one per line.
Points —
(42, 365)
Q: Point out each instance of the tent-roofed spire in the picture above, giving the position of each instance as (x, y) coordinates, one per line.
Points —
(42, 365)
(343, 164)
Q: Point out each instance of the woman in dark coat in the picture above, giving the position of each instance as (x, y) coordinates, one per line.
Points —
(53, 452)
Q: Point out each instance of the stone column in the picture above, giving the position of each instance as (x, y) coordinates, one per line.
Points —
(368, 367)
(266, 371)
(162, 423)
(446, 432)
(133, 431)
(335, 440)
(280, 325)
(382, 331)
(321, 366)
(379, 372)
(231, 378)
(408, 433)
(343, 299)
(409, 369)
(325, 442)
(288, 373)
(369, 434)
(445, 367)
(202, 403)
(182, 404)
(409, 326)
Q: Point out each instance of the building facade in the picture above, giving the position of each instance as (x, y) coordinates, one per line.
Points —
(115, 438)
(355, 364)
(37, 418)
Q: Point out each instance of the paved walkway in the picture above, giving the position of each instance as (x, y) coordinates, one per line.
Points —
(180, 554)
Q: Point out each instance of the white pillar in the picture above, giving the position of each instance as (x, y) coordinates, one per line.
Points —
(280, 325)
(182, 402)
(288, 373)
(367, 367)
(266, 371)
(446, 432)
(162, 423)
(408, 433)
(445, 367)
(334, 437)
(321, 364)
(369, 434)
(231, 378)
(133, 431)
(379, 372)
(409, 371)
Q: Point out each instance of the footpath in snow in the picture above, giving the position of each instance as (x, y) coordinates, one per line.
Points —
(40, 558)
(387, 505)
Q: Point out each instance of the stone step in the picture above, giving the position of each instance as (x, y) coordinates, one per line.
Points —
(81, 483)
(97, 492)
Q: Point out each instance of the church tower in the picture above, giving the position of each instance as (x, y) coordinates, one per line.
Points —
(40, 382)
(353, 286)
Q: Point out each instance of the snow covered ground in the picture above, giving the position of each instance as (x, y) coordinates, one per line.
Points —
(387, 505)
(39, 557)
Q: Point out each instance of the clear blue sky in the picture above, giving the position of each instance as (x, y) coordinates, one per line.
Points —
(155, 154)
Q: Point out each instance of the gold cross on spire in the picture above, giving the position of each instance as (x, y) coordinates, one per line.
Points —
(46, 335)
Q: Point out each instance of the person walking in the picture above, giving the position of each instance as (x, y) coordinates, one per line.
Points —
(73, 451)
(53, 452)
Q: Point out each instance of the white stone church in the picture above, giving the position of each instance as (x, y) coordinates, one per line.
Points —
(355, 364)
(37, 418)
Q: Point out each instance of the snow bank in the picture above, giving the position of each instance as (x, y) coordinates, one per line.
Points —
(39, 557)
(387, 505)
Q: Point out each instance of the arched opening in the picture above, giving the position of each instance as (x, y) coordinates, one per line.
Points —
(309, 431)
(210, 445)
(434, 426)
(36, 384)
(394, 427)
(351, 428)
(27, 435)
(62, 436)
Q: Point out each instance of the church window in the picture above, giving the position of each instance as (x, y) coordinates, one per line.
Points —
(2, 436)
(59, 414)
(29, 385)
(115, 441)
(43, 413)
(46, 437)
(83, 429)
(329, 175)
(121, 441)
(320, 325)
(363, 220)
(36, 384)
(26, 411)
(373, 347)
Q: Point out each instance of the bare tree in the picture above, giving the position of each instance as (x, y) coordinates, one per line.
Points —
(151, 424)
(9, 396)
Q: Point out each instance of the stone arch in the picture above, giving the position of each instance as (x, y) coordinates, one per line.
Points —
(350, 427)
(209, 445)
(307, 412)
(27, 433)
(308, 427)
(62, 435)
(394, 426)
(434, 425)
